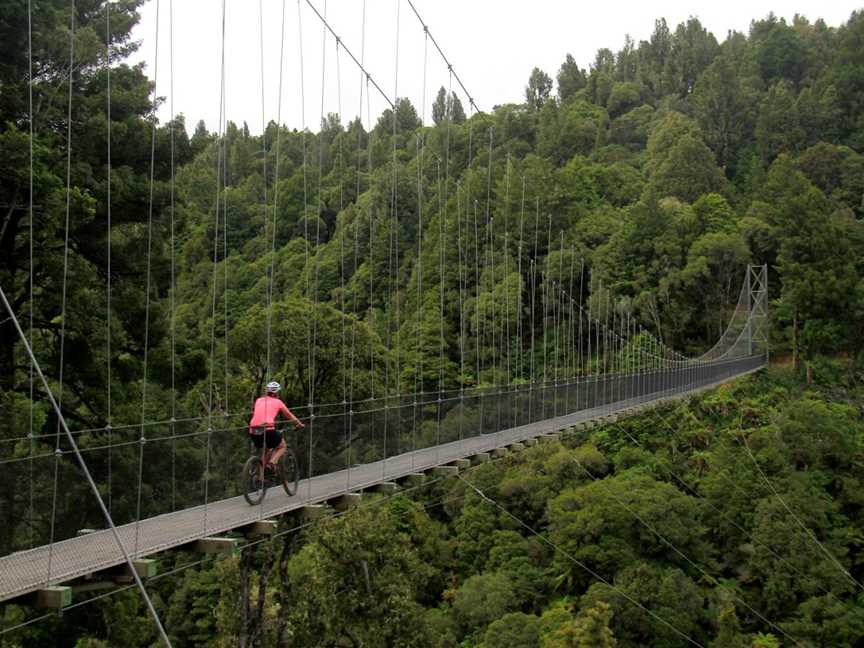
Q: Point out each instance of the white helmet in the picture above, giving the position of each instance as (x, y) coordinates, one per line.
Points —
(273, 386)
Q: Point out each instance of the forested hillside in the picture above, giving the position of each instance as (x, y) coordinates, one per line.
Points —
(680, 515)
(378, 256)
(665, 169)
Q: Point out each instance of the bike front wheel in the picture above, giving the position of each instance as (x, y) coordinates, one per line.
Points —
(289, 472)
(253, 482)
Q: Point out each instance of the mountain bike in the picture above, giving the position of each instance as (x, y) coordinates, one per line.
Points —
(259, 474)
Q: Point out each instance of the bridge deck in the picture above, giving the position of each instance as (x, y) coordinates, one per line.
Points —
(27, 571)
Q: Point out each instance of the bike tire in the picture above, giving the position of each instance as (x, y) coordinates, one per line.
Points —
(289, 472)
(254, 489)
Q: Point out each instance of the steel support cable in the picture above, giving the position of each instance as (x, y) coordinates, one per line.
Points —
(580, 311)
(506, 322)
(55, 404)
(343, 227)
(108, 418)
(313, 359)
(277, 169)
(225, 404)
(505, 335)
(145, 376)
(442, 253)
(558, 294)
(346, 417)
(576, 561)
(387, 300)
(173, 290)
(369, 214)
(419, 157)
(356, 243)
(444, 58)
(798, 521)
(220, 162)
(395, 218)
(570, 362)
(533, 274)
(654, 414)
(446, 196)
(492, 307)
(269, 269)
(459, 265)
(488, 227)
(57, 454)
(711, 579)
(519, 329)
(268, 286)
(359, 64)
(30, 268)
(310, 351)
(442, 245)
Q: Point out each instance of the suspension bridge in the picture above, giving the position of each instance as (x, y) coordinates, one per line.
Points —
(89, 528)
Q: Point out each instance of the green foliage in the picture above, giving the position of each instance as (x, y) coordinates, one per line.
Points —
(406, 257)
(602, 524)
(516, 629)
(482, 599)
(590, 628)
(357, 578)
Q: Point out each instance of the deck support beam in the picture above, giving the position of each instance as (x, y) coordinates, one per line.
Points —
(345, 501)
(412, 479)
(312, 512)
(445, 471)
(259, 529)
(53, 598)
(385, 488)
(217, 545)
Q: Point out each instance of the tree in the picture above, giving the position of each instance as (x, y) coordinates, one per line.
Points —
(538, 89)
(666, 592)
(693, 50)
(813, 262)
(688, 171)
(84, 339)
(777, 127)
(357, 579)
(200, 138)
(439, 107)
(589, 629)
(445, 107)
(624, 96)
(482, 599)
(515, 629)
(590, 522)
(571, 78)
(724, 107)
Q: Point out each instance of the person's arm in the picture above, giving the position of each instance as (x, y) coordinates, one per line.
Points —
(289, 414)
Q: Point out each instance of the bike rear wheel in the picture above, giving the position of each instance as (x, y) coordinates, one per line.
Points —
(252, 482)
(289, 472)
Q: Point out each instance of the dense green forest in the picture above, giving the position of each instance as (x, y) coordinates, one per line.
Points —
(681, 525)
(401, 257)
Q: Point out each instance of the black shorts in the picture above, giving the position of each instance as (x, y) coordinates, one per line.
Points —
(273, 437)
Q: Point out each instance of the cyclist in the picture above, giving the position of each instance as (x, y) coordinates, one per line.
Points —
(264, 414)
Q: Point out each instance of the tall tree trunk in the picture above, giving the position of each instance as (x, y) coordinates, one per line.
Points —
(257, 625)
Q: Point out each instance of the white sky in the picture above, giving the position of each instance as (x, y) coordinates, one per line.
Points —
(492, 44)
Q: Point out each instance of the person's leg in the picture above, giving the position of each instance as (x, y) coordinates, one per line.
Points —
(278, 452)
